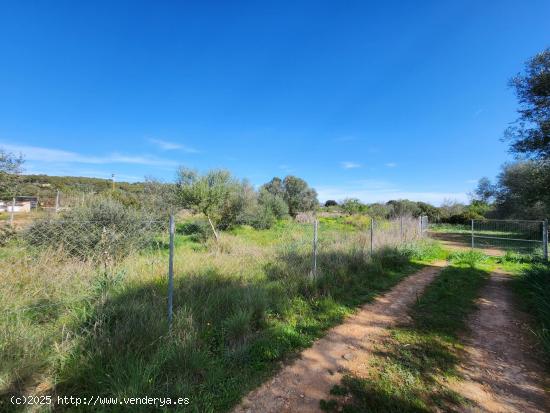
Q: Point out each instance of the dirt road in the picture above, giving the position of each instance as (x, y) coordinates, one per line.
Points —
(502, 371)
(302, 384)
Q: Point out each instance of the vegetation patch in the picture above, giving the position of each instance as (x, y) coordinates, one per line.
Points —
(410, 369)
(242, 305)
(533, 287)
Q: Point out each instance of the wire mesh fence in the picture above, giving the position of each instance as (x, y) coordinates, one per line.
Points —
(516, 235)
(60, 257)
(73, 252)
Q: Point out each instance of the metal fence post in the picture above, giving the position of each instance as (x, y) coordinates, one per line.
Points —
(12, 211)
(57, 201)
(472, 234)
(420, 227)
(315, 225)
(545, 239)
(171, 273)
(401, 227)
(371, 235)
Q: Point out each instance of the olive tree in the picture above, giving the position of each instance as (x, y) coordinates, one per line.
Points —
(352, 206)
(11, 166)
(207, 194)
(295, 192)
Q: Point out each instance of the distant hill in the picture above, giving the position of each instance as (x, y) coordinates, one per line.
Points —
(45, 186)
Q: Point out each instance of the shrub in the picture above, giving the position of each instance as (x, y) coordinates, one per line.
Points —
(105, 230)
(199, 230)
(470, 258)
(352, 206)
(464, 217)
(275, 203)
(6, 233)
(534, 288)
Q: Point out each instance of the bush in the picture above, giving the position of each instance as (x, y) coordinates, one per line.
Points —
(274, 203)
(534, 288)
(470, 258)
(6, 233)
(199, 230)
(105, 231)
(464, 217)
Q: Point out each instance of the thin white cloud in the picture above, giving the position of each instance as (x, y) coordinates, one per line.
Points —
(48, 155)
(391, 164)
(471, 181)
(350, 165)
(171, 146)
(478, 112)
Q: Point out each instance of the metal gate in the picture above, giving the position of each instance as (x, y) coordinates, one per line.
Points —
(516, 235)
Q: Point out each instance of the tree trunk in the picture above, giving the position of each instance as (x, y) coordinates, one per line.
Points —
(213, 229)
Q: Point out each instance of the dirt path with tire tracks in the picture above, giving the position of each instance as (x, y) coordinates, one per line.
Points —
(300, 386)
(502, 370)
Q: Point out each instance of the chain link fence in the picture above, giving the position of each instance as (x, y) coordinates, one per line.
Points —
(74, 251)
(56, 257)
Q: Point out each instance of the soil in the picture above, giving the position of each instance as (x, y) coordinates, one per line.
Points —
(503, 369)
(300, 386)
(461, 242)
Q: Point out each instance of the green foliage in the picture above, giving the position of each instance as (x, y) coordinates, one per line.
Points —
(352, 206)
(409, 371)
(298, 196)
(463, 218)
(470, 258)
(379, 211)
(104, 230)
(522, 190)
(403, 207)
(428, 210)
(533, 287)
(198, 230)
(531, 135)
(45, 187)
(485, 191)
(449, 208)
(331, 202)
(11, 167)
(274, 203)
(237, 315)
(227, 202)
(426, 250)
(214, 194)
(6, 233)
(479, 208)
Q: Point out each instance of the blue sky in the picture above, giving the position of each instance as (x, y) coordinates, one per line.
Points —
(376, 100)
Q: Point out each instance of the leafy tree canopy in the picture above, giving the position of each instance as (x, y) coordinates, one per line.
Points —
(530, 135)
(296, 193)
(11, 166)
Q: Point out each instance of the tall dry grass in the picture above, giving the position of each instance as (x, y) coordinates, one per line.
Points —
(71, 326)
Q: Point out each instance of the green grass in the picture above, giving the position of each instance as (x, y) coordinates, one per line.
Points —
(409, 370)
(462, 234)
(532, 285)
(240, 308)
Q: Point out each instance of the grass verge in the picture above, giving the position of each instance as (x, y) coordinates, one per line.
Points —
(239, 311)
(532, 285)
(409, 371)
